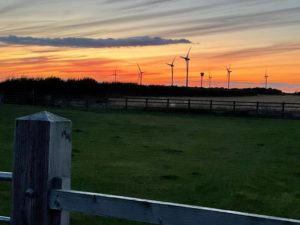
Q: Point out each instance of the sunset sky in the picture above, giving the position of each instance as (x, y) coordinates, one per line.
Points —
(90, 38)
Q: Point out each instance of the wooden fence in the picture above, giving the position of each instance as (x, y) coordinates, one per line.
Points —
(281, 109)
(251, 108)
(247, 108)
(41, 192)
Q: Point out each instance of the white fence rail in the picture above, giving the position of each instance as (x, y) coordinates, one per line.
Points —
(4, 219)
(154, 212)
(41, 186)
(5, 176)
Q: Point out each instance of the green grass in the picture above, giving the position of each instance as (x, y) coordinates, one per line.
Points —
(244, 164)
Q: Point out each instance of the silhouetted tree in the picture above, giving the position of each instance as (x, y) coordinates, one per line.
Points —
(88, 87)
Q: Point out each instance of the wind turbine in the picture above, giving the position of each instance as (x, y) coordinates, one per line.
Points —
(141, 73)
(266, 79)
(187, 60)
(202, 75)
(172, 71)
(115, 75)
(229, 71)
(209, 80)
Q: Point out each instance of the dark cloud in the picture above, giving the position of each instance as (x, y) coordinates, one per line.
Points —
(92, 43)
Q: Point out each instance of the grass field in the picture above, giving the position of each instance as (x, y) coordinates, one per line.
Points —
(244, 164)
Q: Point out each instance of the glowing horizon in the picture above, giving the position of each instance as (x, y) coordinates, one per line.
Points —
(251, 36)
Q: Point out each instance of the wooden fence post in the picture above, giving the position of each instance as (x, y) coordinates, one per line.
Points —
(234, 106)
(211, 106)
(189, 104)
(87, 103)
(42, 153)
(146, 103)
(257, 108)
(126, 103)
(283, 109)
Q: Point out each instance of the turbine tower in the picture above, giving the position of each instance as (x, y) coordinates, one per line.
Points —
(187, 60)
(141, 73)
(266, 79)
(209, 80)
(172, 71)
(115, 75)
(202, 76)
(229, 71)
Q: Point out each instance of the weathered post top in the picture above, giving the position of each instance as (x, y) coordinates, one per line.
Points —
(44, 116)
(42, 153)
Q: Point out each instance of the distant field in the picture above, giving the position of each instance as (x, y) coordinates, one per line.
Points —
(244, 164)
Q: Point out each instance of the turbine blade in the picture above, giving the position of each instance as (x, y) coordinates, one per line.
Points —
(174, 60)
(229, 69)
(139, 68)
(188, 52)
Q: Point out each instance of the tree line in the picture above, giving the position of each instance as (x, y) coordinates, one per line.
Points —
(90, 87)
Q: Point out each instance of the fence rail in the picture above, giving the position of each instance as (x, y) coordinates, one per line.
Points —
(4, 219)
(154, 212)
(5, 176)
(42, 196)
(256, 108)
(282, 109)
